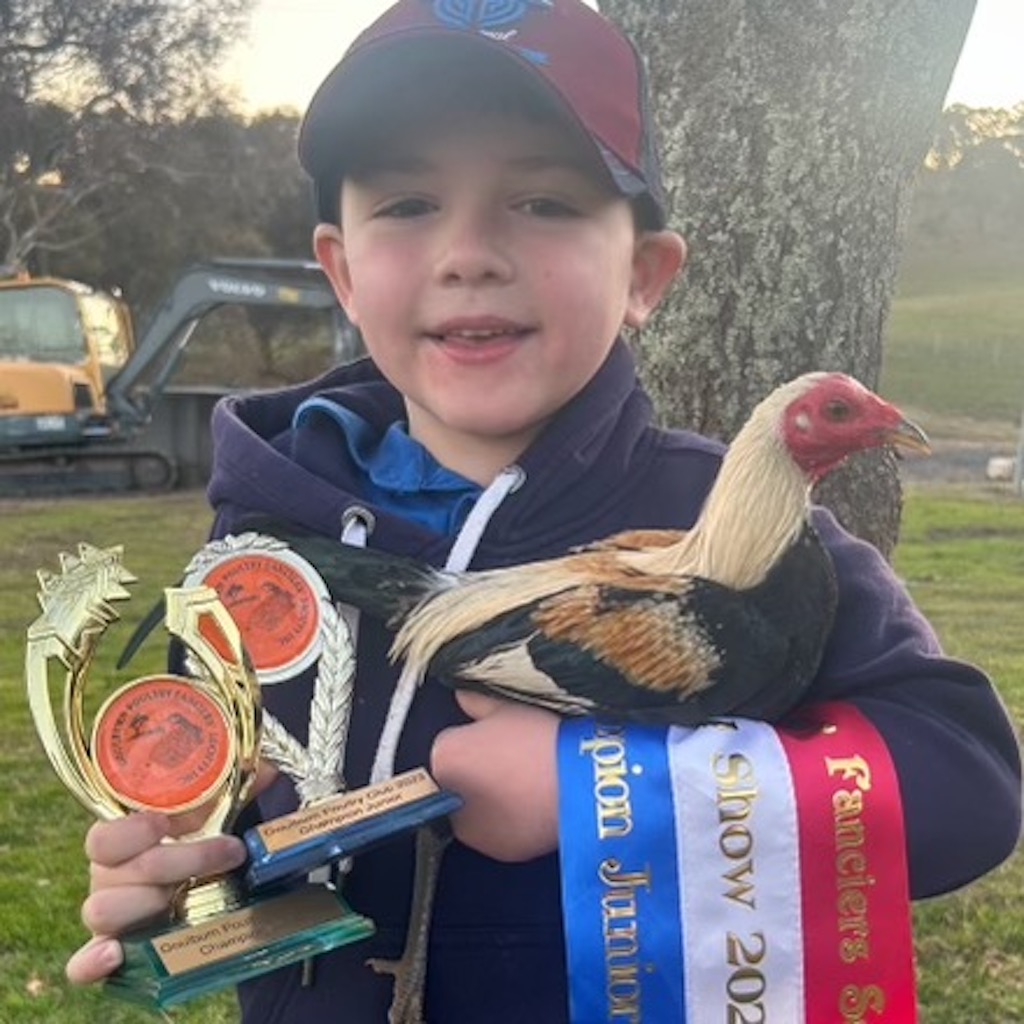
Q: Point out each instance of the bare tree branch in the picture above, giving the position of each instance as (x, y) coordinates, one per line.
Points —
(78, 79)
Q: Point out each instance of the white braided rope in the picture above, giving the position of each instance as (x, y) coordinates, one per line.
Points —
(316, 769)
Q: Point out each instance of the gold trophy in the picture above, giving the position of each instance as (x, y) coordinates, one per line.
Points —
(178, 745)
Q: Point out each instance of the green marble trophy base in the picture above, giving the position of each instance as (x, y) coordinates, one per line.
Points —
(164, 968)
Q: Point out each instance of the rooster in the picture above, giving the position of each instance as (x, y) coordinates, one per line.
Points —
(729, 617)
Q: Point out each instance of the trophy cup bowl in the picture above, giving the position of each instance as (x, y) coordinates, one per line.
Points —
(180, 746)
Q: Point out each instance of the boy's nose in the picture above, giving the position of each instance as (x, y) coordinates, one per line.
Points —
(472, 248)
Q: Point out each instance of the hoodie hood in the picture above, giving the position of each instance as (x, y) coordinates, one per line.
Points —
(575, 473)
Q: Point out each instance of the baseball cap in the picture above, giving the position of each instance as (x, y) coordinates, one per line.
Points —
(560, 52)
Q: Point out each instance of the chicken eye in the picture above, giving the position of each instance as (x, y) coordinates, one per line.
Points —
(837, 411)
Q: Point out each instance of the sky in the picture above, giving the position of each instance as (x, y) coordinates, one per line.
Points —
(294, 43)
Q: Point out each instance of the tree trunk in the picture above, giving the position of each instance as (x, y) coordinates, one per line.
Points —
(792, 135)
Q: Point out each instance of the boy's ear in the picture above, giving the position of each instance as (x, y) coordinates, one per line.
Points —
(657, 259)
(329, 248)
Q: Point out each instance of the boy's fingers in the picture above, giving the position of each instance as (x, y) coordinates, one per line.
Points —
(114, 842)
(113, 911)
(478, 705)
(94, 961)
(171, 863)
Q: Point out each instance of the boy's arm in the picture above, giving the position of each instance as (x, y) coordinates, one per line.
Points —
(951, 741)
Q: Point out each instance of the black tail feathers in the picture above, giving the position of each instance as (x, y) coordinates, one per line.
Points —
(383, 585)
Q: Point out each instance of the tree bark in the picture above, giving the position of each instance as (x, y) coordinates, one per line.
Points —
(792, 135)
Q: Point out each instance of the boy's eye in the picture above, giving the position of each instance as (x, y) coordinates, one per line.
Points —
(408, 206)
(546, 206)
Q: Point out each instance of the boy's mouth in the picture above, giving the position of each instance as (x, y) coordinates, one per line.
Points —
(478, 331)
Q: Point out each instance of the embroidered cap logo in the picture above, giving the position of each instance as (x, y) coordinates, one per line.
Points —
(493, 18)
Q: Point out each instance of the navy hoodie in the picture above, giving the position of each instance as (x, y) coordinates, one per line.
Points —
(601, 466)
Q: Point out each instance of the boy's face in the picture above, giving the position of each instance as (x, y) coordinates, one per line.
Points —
(490, 269)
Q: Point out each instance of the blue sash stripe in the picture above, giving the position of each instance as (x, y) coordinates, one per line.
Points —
(620, 883)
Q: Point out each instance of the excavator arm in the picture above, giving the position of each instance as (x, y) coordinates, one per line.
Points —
(201, 289)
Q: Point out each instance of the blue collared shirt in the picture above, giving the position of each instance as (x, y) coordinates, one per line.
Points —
(401, 475)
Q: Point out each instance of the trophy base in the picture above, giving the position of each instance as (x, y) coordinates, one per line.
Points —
(343, 825)
(164, 968)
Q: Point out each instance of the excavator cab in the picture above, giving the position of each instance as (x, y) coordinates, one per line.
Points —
(60, 342)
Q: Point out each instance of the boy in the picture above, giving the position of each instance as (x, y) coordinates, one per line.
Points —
(491, 218)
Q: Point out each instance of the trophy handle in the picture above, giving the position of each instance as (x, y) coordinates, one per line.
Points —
(77, 608)
(69, 769)
(196, 616)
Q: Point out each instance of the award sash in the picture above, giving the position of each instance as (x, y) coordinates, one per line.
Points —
(734, 872)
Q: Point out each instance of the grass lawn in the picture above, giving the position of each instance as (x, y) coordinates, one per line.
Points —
(43, 874)
(962, 555)
(954, 347)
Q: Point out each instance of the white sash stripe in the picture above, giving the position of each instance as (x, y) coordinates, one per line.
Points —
(738, 853)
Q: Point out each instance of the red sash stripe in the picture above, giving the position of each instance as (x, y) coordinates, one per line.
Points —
(859, 962)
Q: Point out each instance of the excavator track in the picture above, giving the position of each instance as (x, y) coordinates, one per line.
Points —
(68, 471)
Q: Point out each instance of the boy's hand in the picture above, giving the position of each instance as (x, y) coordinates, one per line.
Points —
(134, 876)
(503, 765)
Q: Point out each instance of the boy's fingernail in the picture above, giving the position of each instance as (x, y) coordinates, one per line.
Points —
(110, 954)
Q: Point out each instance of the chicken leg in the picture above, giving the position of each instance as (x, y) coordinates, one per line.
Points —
(410, 970)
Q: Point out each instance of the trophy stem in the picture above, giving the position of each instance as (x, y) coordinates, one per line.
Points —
(209, 898)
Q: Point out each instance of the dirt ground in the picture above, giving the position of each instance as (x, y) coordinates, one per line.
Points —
(960, 462)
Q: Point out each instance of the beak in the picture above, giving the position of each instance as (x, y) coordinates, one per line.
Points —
(907, 434)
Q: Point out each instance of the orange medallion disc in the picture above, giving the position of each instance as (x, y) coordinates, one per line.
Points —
(162, 744)
(276, 606)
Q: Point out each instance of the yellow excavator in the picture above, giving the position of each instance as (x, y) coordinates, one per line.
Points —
(77, 393)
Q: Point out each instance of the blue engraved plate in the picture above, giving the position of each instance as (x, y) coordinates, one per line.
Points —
(345, 824)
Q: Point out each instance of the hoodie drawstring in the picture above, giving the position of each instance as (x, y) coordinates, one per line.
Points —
(459, 557)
